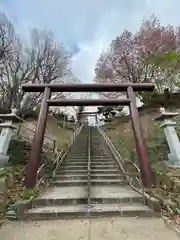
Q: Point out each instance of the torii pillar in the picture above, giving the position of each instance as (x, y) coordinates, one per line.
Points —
(34, 159)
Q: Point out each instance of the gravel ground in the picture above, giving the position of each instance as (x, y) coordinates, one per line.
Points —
(114, 228)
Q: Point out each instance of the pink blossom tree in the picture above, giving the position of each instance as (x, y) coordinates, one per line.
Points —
(131, 57)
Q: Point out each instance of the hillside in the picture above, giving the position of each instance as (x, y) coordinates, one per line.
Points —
(167, 179)
(54, 131)
(120, 131)
(12, 175)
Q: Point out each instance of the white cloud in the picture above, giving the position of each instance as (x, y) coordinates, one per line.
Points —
(90, 24)
(115, 22)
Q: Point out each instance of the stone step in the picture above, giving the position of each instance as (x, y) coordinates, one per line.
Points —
(95, 153)
(113, 200)
(98, 144)
(98, 154)
(99, 166)
(96, 138)
(103, 163)
(82, 211)
(74, 160)
(91, 160)
(76, 157)
(71, 177)
(93, 171)
(71, 171)
(78, 154)
(85, 160)
(81, 139)
(84, 176)
(105, 171)
(40, 202)
(100, 157)
(78, 182)
(69, 163)
(78, 150)
(107, 176)
(78, 142)
(66, 163)
(93, 175)
(74, 182)
(93, 167)
(73, 167)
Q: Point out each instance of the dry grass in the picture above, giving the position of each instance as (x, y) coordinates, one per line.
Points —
(167, 179)
(19, 152)
(54, 131)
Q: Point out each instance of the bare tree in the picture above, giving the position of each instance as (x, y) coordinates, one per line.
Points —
(7, 37)
(43, 62)
(51, 58)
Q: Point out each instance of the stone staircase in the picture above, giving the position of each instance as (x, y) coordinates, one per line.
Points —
(71, 196)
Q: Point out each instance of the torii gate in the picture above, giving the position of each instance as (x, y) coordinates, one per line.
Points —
(90, 114)
(47, 89)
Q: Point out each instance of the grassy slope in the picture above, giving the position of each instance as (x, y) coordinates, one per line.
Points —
(167, 179)
(120, 131)
(19, 151)
(53, 131)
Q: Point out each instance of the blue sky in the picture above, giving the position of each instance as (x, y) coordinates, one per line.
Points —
(87, 25)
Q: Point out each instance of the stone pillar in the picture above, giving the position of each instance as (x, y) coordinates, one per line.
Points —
(6, 134)
(171, 136)
(96, 120)
(64, 121)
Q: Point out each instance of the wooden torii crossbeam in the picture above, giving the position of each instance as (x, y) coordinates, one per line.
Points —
(137, 87)
(47, 89)
(88, 102)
